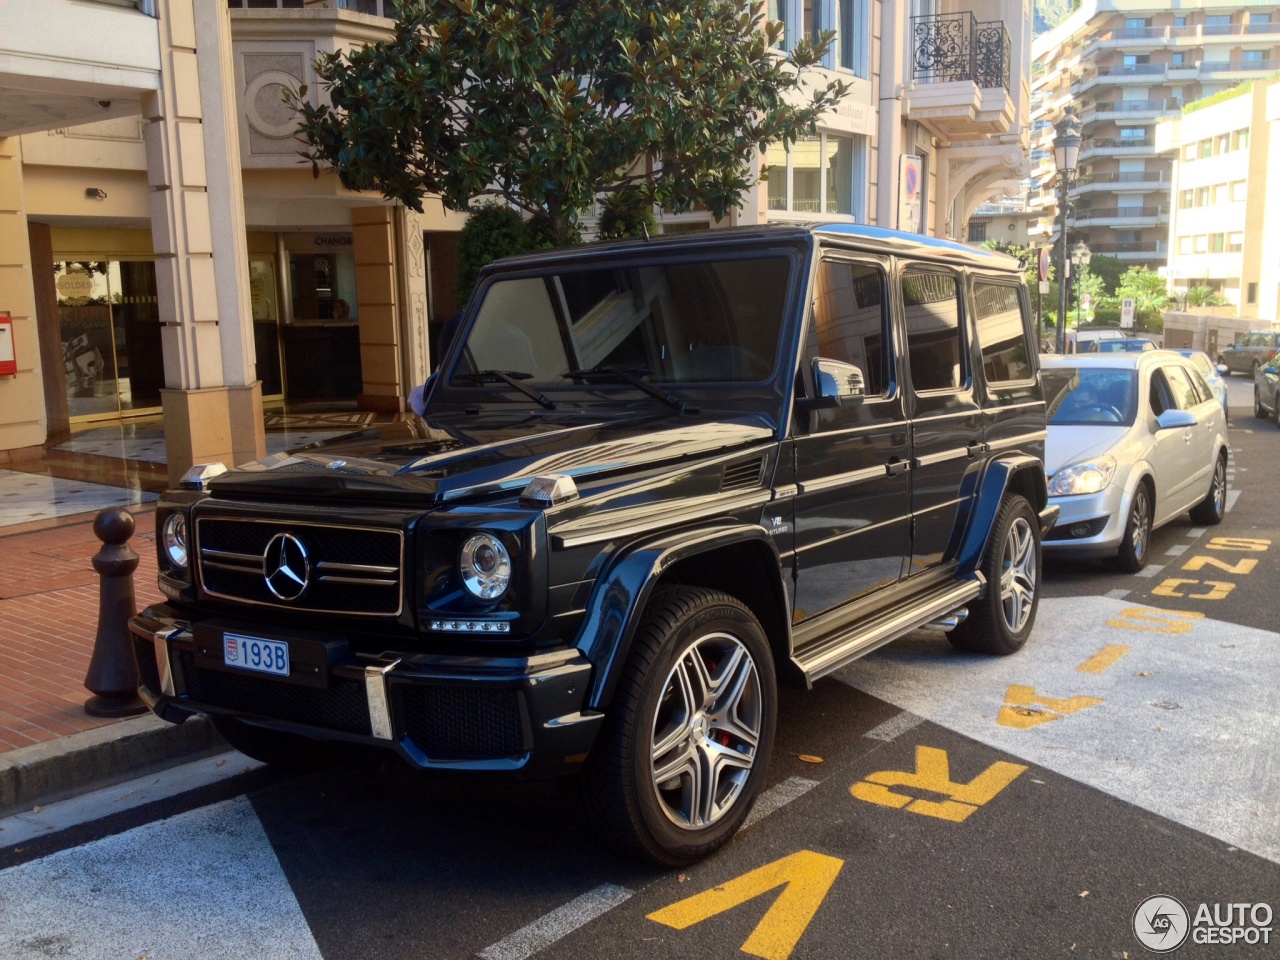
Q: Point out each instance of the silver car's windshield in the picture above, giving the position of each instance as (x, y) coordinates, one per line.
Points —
(713, 321)
(1090, 395)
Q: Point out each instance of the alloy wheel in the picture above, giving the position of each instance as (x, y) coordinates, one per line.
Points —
(1018, 575)
(1140, 517)
(1220, 486)
(706, 731)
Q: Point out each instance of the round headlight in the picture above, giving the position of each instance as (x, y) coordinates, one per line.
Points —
(173, 536)
(485, 566)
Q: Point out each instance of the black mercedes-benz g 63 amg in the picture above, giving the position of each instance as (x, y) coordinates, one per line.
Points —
(653, 480)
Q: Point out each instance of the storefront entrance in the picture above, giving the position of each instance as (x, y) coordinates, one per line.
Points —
(109, 327)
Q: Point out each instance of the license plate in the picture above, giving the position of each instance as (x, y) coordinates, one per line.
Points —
(251, 653)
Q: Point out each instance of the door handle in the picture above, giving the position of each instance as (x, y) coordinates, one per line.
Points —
(1186, 437)
(895, 467)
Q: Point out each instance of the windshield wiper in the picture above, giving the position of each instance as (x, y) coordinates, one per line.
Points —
(512, 379)
(618, 373)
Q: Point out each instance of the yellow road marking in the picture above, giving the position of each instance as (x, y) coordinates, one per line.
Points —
(805, 878)
(1244, 565)
(1240, 544)
(1152, 620)
(1024, 708)
(1104, 658)
(933, 773)
(1169, 588)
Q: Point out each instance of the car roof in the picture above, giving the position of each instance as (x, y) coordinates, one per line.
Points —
(1118, 360)
(881, 239)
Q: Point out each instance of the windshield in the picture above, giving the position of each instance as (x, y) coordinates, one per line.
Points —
(1121, 346)
(710, 321)
(1078, 396)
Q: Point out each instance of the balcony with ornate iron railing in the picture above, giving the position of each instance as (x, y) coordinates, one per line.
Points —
(947, 47)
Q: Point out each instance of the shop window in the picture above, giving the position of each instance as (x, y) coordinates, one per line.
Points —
(109, 326)
(819, 174)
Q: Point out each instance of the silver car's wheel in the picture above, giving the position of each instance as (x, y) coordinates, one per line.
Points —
(706, 731)
(1213, 507)
(1018, 575)
(1132, 555)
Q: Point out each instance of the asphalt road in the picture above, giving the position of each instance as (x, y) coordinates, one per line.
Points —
(962, 806)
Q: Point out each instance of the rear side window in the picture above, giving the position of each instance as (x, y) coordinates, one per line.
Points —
(1183, 390)
(1001, 332)
(931, 304)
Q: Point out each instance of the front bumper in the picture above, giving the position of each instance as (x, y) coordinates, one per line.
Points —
(1100, 517)
(519, 715)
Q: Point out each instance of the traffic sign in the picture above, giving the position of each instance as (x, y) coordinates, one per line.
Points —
(1127, 311)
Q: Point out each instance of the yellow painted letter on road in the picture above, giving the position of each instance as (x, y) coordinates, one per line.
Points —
(805, 878)
(1239, 544)
(1024, 708)
(1170, 588)
(1151, 620)
(933, 773)
(1103, 659)
(1197, 563)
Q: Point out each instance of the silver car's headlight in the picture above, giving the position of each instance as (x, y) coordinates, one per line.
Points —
(1081, 478)
(173, 537)
(485, 566)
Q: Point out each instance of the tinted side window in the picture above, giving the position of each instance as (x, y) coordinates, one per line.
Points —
(1161, 395)
(931, 305)
(850, 320)
(1001, 335)
(1180, 383)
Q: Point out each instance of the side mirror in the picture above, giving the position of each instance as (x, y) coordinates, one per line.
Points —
(1223, 369)
(1175, 419)
(839, 382)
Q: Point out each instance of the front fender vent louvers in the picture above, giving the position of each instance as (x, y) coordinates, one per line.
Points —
(742, 476)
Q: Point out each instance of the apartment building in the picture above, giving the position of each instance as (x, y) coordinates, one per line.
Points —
(1124, 65)
(1223, 233)
(182, 261)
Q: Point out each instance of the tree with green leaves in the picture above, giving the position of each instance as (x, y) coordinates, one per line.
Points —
(1150, 297)
(552, 105)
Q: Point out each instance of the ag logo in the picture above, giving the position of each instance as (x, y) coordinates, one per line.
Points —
(1161, 924)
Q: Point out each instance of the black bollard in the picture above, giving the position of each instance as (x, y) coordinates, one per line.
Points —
(113, 674)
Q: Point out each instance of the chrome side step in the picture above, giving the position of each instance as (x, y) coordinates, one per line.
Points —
(835, 651)
(950, 621)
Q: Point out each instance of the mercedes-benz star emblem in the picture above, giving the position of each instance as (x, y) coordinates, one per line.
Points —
(286, 567)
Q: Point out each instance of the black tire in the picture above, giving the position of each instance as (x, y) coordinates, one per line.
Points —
(1213, 507)
(689, 636)
(1136, 544)
(1001, 620)
(284, 750)
(1258, 410)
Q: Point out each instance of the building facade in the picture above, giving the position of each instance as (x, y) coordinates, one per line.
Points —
(1220, 152)
(169, 254)
(1124, 65)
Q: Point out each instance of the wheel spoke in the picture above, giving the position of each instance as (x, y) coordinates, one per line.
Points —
(680, 763)
(701, 684)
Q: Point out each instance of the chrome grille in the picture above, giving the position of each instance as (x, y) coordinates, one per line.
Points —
(354, 571)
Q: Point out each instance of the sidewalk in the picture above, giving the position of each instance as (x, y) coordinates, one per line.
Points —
(49, 746)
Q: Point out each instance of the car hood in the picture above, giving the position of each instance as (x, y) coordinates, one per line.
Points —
(1067, 445)
(475, 456)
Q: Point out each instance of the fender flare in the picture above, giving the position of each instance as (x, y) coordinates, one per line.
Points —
(623, 590)
(991, 488)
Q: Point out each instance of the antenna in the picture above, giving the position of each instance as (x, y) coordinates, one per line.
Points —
(645, 227)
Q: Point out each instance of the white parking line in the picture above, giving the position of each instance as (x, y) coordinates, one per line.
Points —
(1177, 550)
(1150, 570)
(895, 726)
(778, 796)
(557, 924)
(1197, 532)
(1118, 594)
(1232, 497)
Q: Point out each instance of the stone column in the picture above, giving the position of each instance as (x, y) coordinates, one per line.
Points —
(411, 256)
(192, 171)
(22, 413)
(374, 248)
(889, 133)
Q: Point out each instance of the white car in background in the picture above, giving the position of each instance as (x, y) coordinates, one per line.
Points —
(1135, 440)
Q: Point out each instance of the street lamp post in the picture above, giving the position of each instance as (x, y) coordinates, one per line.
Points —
(1066, 151)
(1080, 257)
